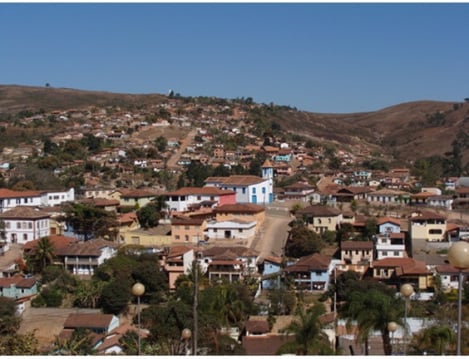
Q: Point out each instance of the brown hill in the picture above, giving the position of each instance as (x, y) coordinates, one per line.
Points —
(406, 131)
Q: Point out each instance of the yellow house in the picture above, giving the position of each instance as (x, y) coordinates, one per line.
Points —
(427, 225)
(134, 198)
(320, 218)
(187, 230)
(356, 256)
(153, 237)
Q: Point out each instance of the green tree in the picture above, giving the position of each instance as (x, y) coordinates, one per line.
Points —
(115, 296)
(302, 242)
(435, 339)
(161, 143)
(372, 308)
(90, 221)
(87, 293)
(307, 330)
(80, 343)
(149, 215)
(44, 254)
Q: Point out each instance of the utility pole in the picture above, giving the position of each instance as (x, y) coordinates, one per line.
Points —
(195, 267)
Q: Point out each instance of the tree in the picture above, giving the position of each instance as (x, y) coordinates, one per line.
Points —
(149, 215)
(79, 343)
(372, 308)
(87, 293)
(307, 330)
(9, 321)
(302, 242)
(161, 143)
(115, 296)
(435, 339)
(44, 254)
(90, 221)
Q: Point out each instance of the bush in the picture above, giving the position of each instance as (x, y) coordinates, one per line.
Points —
(52, 297)
(38, 302)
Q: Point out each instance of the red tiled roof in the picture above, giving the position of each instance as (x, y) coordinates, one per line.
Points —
(239, 208)
(207, 191)
(8, 193)
(404, 266)
(236, 180)
(24, 212)
(356, 245)
(320, 211)
(19, 282)
(310, 263)
(88, 320)
(257, 326)
(386, 219)
(265, 344)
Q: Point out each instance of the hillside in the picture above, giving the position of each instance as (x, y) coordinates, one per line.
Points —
(405, 131)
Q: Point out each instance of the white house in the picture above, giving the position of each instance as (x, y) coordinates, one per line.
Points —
(248, 189)
(388, 225)
(11, 199)
(233, 229)
(24, 224)
(184, 198)
(390, 245)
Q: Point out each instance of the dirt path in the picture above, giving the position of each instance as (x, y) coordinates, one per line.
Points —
(173, 160)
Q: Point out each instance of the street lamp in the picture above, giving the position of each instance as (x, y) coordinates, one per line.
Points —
(406, 291)
(392, 327)
(186, 335)
(137, 290)
(458, 256)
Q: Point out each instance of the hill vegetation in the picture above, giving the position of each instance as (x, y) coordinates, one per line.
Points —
(431, 131)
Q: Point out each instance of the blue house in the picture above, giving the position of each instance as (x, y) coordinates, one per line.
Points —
(271, 272)
(18, 287)
(310, 272)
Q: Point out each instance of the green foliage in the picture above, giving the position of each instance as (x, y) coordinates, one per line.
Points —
(282, 301)
(161, 143)
(90, 221)
(80, 343)
(149, 215)
(44, 254)
(436, 119)
(308, 334)
(115, 296)
(302, 242)
(9, 321)
(52, 296)
(19, 344)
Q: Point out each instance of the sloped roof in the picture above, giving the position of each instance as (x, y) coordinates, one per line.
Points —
(310, 263)
(17, 281)
(320, 211)
(236, 180)
(88, 320)
(403, 266)
(238, 250)
(91, 248)
(387, 219)
(8, 193)
(24, 212)
(207, 191)
(356, 245)
(239, 208)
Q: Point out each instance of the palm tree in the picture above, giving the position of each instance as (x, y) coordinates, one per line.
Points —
(372, 310)
(309, 337)
(45, 253)
(435, 338)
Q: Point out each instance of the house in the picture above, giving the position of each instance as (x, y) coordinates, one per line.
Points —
(230, 263)
(301, 191)
(177, 262)
(388, 225)
(10, 199)
(151, 237)
(427, 225)
(248, 212)
(259, 339)
(310, 272)
(24, 224)
(270, 268)
(397, 271)
(320, 218)
(184, 198)
(188, 230)
(18, 287)
(441, 201)
(234, 229)
(449, 276)
(390, 244)
(84, 257)
(351, 193)
(356, 256)
(135, 198)
(110, 205)
(388, 196)
(248, 189)
(95, 322)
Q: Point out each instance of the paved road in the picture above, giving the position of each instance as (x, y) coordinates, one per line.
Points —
(274, 231)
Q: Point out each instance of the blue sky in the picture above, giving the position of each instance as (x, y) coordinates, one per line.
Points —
(318, 57)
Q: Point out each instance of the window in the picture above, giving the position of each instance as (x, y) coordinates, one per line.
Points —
(435, 231)
(186, 237)
(263, 190)
(244, 190)
(25, 237)
(18, 225)
(30, 225)
(186, 228)
(177, 237)
(254, 190)
(384, 253)
(396, 253)
(199, 198)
